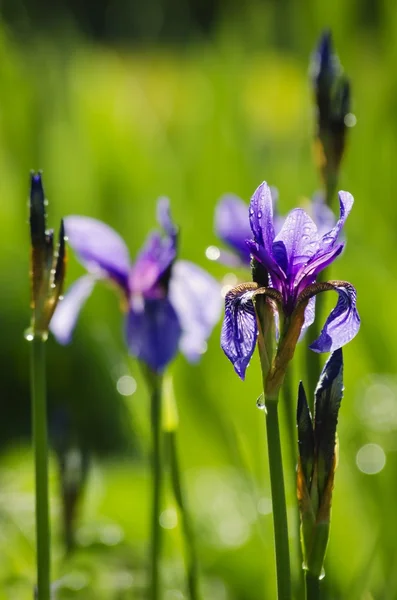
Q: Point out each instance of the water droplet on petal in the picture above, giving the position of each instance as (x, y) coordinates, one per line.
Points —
(259, 214)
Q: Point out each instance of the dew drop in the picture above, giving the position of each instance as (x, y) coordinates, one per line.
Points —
(60, 298)
(259, 214)
(260, 403)
(29, 335)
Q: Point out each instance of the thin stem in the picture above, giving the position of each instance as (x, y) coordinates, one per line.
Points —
(289, 400)
(40, 445)
(312, 586)
(278, 501)
(180, 497)
(155, 552)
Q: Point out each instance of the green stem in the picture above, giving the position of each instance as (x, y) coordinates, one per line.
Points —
(180, 497)
(289, 408)
(312, 586)
(40, 445)
(278, 501)
(155, 551)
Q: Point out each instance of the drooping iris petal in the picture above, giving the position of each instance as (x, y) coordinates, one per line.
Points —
(261, 217)
(67, 311)
(101, 249)
(196, 297)
(153, 331)
(342, 324)
(232, 224)
(346, 201)
(239, 329)
(297, 242)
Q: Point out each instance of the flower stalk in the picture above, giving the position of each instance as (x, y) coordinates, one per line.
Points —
(280, 521)
(171, 422)
(40, 446)
(157, 476)
(47, 273)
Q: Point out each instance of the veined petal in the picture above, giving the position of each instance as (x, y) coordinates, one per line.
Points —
(309, 272)
(261, 217)
(196, 297)
(345, 205)
(239, 329)
(297, 242)
(99, 247)
(67, 311)
(310, 314)
(232, 224)
(153, 331)
(343, 322)
(276, 273)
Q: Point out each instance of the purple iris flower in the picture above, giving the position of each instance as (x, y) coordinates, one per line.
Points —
(288, 264)
(171, 304)
(232, 226)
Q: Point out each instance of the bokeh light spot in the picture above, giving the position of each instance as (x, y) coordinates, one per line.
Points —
(371, 459)
(126, 385)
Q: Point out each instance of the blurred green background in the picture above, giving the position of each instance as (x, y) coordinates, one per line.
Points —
(118, 103)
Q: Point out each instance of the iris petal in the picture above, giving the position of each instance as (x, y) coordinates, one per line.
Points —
(261, 217)
(67, 311)
(232, 224)
(342, 324)
(101, 249)
(328, 240)
(153, 331)
(299, 241)
(196, 297)
(239, 329)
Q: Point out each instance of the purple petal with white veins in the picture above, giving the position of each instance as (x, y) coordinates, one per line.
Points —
(297, 242)
(67, 311)
(342, 324)
(232, 224)
(276, 273)
(308, 273)
(99, 247)
(239, 329)
(261, 216)
(153, 331)
(345, 203)
(196, 297)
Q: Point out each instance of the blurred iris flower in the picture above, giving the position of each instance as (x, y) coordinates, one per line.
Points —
(171, 304)
(232, 226)
(285, 268)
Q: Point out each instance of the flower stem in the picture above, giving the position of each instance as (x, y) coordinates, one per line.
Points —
(312, 586)
(278, 501)
(155, 551)
(40, 445)
(190, 546)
